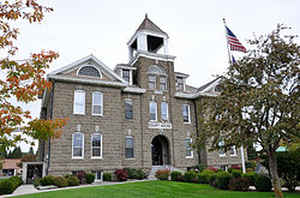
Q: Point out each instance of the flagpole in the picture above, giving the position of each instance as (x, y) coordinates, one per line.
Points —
(228, 50)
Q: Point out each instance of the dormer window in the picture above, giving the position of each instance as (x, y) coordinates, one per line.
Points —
(89, 71)
(179, 84)
(126, 75)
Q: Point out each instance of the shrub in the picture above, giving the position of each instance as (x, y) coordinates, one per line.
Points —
(47, 180)
(140, 174)
(239, 184)
(190, 176)
(132, 173)
(203, 177)
(176, 176)
(90, 178)
(60, 181)
(251, 177)
(72, 180)
(197, 168)
(263, 183)
(17, 181)
(6, 187)
(121, 174)
(162, 174)
(107, 176)
(212, 169)
(212, 179)
(236, 167)
(81, 176)
(236, 173)
(222, 180)
(36, 182)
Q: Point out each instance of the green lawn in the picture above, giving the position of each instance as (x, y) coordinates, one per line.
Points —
(163, 189)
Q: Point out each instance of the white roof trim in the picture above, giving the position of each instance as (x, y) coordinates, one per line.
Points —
(92, 57)
(86, 81)
(134, 90)
(162, 57)
(181, 75)
(194, 95)
(125, 67)
(214, 84)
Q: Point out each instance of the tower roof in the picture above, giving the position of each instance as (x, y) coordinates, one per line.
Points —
(147, 24)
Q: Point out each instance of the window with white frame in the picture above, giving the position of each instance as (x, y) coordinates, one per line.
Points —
(126, 74)
(79, 102)
(164, 111)
(97, 103)
(96, 142)
(179, 84)
(77, 145)
(163, 83)
(129, 147)
(221, 150)
(153, 111)
(186, 113)
(188, 148)
(128, 109)
(232, 151)
(152, 82)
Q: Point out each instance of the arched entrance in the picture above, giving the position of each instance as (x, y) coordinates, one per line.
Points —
(160, 151)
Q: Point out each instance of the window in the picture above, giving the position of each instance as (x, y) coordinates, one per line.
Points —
(232, 151)
(129, 147)
(186, 113)
(152, 81)
(96, 143)
(79, 102)
(128, 109)
(77, 145)
(163, 83)
(164, 111)
(188, 148)
(221, 148)
(179, 84)
(89, 71)
(153, 111)
(126, 75)
(97, 105)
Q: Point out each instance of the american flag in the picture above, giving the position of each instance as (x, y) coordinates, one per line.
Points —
(234, 43)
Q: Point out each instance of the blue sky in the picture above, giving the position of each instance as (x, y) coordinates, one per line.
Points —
(78, 28)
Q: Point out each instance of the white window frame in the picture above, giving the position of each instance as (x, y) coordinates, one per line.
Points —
(192, 153)
(166, 83)
(224, 153)
(155, 82)
(128, 101)
(161, 108)
(93, 103)
(78, 157)
(132, 148)
(101, 146)
(74, 102)
(189, 113)
(155, 111)
(100, 73)
(234, 151)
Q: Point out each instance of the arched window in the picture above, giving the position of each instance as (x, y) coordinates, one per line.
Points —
(156, 70)
(89, 71)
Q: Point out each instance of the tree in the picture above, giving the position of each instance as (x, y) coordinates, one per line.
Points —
(15, 154)
(31, 151)
(24, 80)
(259, 100)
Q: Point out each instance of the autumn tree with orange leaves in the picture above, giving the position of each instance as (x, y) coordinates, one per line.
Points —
(22, 81)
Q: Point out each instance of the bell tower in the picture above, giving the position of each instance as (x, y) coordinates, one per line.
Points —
(148, 38)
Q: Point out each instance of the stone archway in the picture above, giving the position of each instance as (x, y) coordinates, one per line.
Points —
(160, 151)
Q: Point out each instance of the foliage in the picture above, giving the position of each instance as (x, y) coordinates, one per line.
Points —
(212, 169)
(15, 154)
(212, 179)
(27, 158)
(36, 182)
(176, 176)
(121, 174)
(251, 152)
(140, 174)
(8, 186)
(90, 178)
(190, 176)
(251, 176)
(222, 180)
(107, 176)
(204, 176)
(236, 173)
(60, 181)
(239, 184)
(47, 180)
(72, 180)
(81, 176)
(31, 151)
(23, 80)
(17, 181)
(198, 168)
(263, 183)
(162, 174)
(259, 100)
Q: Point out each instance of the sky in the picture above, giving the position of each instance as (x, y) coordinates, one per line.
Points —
(103, 27)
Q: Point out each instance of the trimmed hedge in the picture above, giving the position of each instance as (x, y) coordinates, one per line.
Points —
(176, 176)
(47, 180)
(203, 177)
(8, 186)
(72, 180)
(107, 176)
(60, 181)
(135, 173)
(190, 176)
(236, 173)
(90, 178)
(239, 184)
(162, 174)
(222, 180)
(251, 177)
(121, 174)
(263, 183)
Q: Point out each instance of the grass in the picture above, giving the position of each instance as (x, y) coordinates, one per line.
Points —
(155, 189)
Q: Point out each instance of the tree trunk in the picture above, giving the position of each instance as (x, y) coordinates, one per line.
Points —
(274, 174)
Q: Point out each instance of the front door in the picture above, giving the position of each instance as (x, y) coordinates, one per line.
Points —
(160, 151)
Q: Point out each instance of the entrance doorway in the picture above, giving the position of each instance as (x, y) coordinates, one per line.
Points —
(160, 151)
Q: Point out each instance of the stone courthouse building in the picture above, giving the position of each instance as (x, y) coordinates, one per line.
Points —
(141, 114)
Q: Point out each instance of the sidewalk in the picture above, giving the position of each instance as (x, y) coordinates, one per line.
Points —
(29, 188)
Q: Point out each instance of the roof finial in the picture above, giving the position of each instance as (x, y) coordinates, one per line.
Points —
(146, 16)
(224, 21)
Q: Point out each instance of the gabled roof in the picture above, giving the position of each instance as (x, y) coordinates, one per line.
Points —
(147, 24)
(82, 60)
